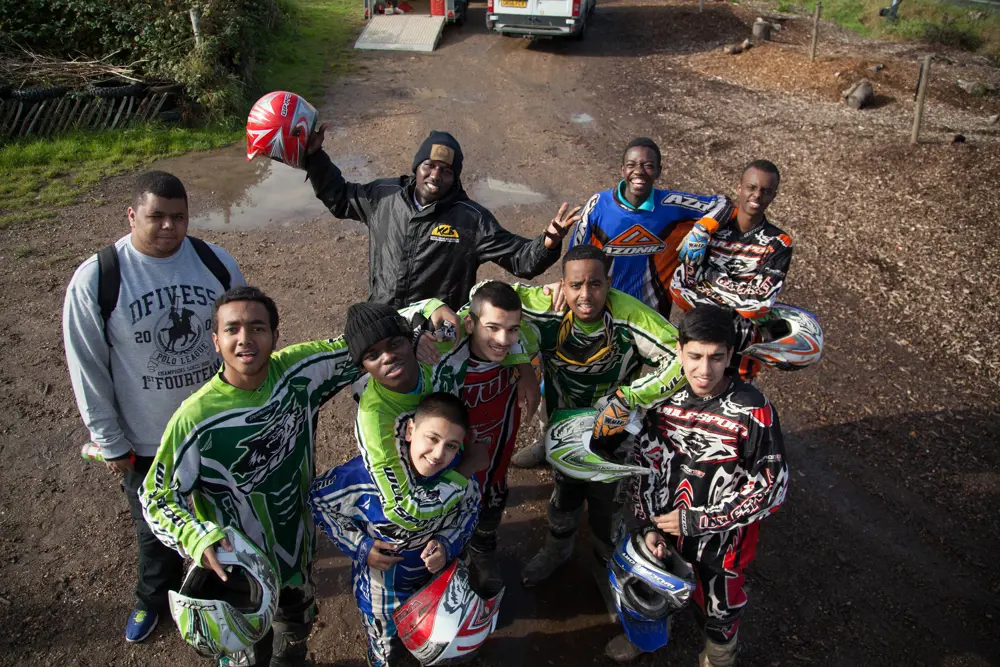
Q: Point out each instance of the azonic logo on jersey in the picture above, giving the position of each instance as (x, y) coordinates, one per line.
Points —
(445, 234)
(686, 202)
(268, 449)
(636, 240)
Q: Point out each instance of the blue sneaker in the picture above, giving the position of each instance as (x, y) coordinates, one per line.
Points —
(141, 622)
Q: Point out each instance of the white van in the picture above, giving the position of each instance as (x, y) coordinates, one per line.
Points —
(539, 18)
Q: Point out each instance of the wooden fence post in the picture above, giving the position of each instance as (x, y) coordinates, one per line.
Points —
(918, 112)
(812, 48)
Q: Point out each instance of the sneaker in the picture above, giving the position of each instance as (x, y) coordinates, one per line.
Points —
(397, 10)
(621, 650)
(141, 622)
(530, 457)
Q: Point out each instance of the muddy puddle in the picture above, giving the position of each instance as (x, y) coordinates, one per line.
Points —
(255, 195)
(494, 193)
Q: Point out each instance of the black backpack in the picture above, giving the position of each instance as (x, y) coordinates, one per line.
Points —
(109, 276)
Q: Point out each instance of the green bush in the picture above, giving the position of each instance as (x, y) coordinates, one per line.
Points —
(156, 37)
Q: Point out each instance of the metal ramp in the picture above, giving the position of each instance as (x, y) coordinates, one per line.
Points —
(401, 33)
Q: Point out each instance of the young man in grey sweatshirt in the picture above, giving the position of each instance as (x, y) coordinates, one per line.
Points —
(131, 372)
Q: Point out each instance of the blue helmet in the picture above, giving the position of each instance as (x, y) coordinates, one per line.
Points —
(647, 590)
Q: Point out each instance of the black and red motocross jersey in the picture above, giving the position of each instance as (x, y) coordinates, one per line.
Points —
(720, 460)
(743, 270)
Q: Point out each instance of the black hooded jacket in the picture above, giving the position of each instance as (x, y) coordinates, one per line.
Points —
(415, 255)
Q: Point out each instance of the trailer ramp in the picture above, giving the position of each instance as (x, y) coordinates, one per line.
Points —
(401, 33)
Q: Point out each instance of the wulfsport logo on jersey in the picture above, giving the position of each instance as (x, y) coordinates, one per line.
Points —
(445, 234)
(636, 240)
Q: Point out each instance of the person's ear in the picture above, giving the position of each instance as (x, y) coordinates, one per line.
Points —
(468, 324)
(409, 429)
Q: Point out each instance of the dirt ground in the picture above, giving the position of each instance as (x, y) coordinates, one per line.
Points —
(884, 551)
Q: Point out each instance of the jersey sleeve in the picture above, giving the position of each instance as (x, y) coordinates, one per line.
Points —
(406, 503)
(456, 533)
(590, 218)
(88, 357)
(331, 507)
(763, 490)
(326, 363)
(719, 213)
(537, 313)
(655, 340)
(165, 492)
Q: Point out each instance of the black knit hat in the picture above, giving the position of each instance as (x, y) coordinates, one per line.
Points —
(645, 142)
(442, 147)
(369, 323)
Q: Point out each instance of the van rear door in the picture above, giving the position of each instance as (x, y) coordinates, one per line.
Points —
(554, 7)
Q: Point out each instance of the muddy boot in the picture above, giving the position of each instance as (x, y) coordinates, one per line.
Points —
(719, 655)
(558, 546)
(487, 580)
(532, 456)
(621, 650)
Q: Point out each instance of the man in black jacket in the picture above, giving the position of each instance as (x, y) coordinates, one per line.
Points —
(426, 237)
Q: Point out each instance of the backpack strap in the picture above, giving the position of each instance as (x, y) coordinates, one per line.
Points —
(212, 262)
(109, 282)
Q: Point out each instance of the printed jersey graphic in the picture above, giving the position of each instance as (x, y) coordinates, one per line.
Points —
(643, 244)
(634, 335)
(636, 240)
(744, 271)
(720, 460)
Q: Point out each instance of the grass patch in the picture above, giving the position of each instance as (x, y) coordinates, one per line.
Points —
(312, 45)
(44, 174)
(24, 251)
(968, 27)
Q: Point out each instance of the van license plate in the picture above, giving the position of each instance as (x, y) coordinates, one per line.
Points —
(523, 4)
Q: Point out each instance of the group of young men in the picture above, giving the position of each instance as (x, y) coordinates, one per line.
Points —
(180, 381)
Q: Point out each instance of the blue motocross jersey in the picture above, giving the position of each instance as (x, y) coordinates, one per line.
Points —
(642, 242)
(347, 506)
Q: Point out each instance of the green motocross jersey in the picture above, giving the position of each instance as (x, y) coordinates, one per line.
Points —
(380, 429)
(245, 459)
(586, 363)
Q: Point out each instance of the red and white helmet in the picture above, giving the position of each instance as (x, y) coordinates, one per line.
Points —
(446, 620)
(792, 339)
(279, 126)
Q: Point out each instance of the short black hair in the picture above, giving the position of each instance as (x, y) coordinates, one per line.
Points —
(158, 183)
(586, 251)
(497, 294)
(707, 324)
(447, 406)
(246, 293)
(644, 142)
(762, 165)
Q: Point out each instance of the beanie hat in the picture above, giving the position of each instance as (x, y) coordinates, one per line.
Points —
(644, 142)
(369, 323)
(442, 147)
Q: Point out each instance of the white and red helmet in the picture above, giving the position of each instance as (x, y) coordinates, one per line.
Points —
(279, 126)
(792, 339)
(446, 620)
